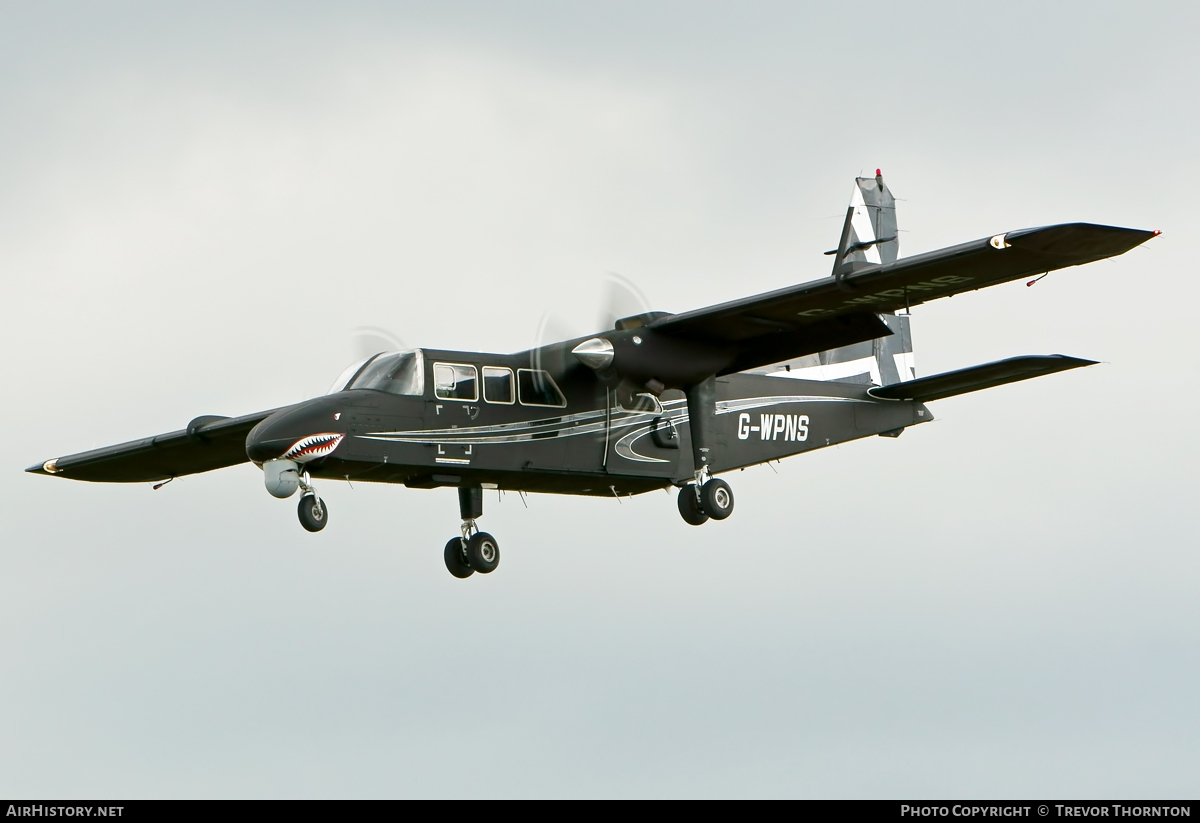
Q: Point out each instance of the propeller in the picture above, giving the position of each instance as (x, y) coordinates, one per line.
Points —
(619, 297)
(369, 340)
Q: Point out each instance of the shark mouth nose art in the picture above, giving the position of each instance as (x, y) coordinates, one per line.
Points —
(312, 447)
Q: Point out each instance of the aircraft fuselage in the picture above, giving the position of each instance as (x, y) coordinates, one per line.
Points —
(591, 445)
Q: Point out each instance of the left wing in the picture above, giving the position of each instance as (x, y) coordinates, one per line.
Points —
(209, 442)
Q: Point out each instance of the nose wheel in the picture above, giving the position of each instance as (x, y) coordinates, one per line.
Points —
(474, 551)
(313, 512)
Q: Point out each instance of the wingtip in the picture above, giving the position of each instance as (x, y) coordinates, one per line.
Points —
(1073, 362)
(49, 467)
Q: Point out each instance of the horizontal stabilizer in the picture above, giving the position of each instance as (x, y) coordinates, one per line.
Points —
(949, 384)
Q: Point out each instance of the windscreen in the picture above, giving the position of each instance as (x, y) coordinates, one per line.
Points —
(397, 373)
(348, 374)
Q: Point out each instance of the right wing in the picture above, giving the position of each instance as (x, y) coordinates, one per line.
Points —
(833, 312)
(208, 443)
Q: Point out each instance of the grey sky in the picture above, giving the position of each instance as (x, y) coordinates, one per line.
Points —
(199, 204)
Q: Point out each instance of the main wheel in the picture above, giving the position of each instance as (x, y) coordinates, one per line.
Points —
(484, 552)
(456, 559)
(716, 498)
(689, 507)
(314, 514)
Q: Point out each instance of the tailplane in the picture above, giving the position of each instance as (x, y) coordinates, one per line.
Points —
(975, 378)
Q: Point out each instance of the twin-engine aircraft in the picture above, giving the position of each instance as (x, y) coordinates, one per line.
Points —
(660, 400)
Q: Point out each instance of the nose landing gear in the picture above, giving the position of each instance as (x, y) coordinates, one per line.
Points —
(474, 551)
(313, 512)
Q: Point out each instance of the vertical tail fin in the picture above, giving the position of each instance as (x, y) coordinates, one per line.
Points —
(873, 238)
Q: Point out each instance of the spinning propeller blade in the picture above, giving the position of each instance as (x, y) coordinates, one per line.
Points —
(368, 340)
(619, 297)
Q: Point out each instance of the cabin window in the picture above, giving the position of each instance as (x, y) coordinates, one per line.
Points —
(455, 381)
(400, 372)
(497, 384)
(535, 387)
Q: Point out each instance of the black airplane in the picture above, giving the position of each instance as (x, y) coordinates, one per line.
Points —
(660, 400)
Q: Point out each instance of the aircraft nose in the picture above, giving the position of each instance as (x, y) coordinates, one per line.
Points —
(301, 433)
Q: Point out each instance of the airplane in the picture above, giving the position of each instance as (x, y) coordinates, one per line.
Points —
(660, 400)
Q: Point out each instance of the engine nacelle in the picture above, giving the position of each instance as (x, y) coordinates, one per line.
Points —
(281, 477)
(656, 360)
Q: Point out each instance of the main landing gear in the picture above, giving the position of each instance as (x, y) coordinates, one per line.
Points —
(704, 499)
(313, 512)
(474, 551)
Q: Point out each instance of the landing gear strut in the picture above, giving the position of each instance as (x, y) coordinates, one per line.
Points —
(313, 512)
(474, 551)
(704, 497)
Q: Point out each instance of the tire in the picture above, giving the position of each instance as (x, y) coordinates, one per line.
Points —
(689, 507)
(716, 498)
(456, 562)
(484, 552)
(314, 514)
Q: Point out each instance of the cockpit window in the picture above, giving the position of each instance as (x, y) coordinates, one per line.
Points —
(401, 372)
(348, 375)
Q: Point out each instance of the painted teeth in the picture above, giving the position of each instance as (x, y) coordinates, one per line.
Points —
(313, 446)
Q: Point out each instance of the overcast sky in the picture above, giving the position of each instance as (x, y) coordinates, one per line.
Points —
(200, 202)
